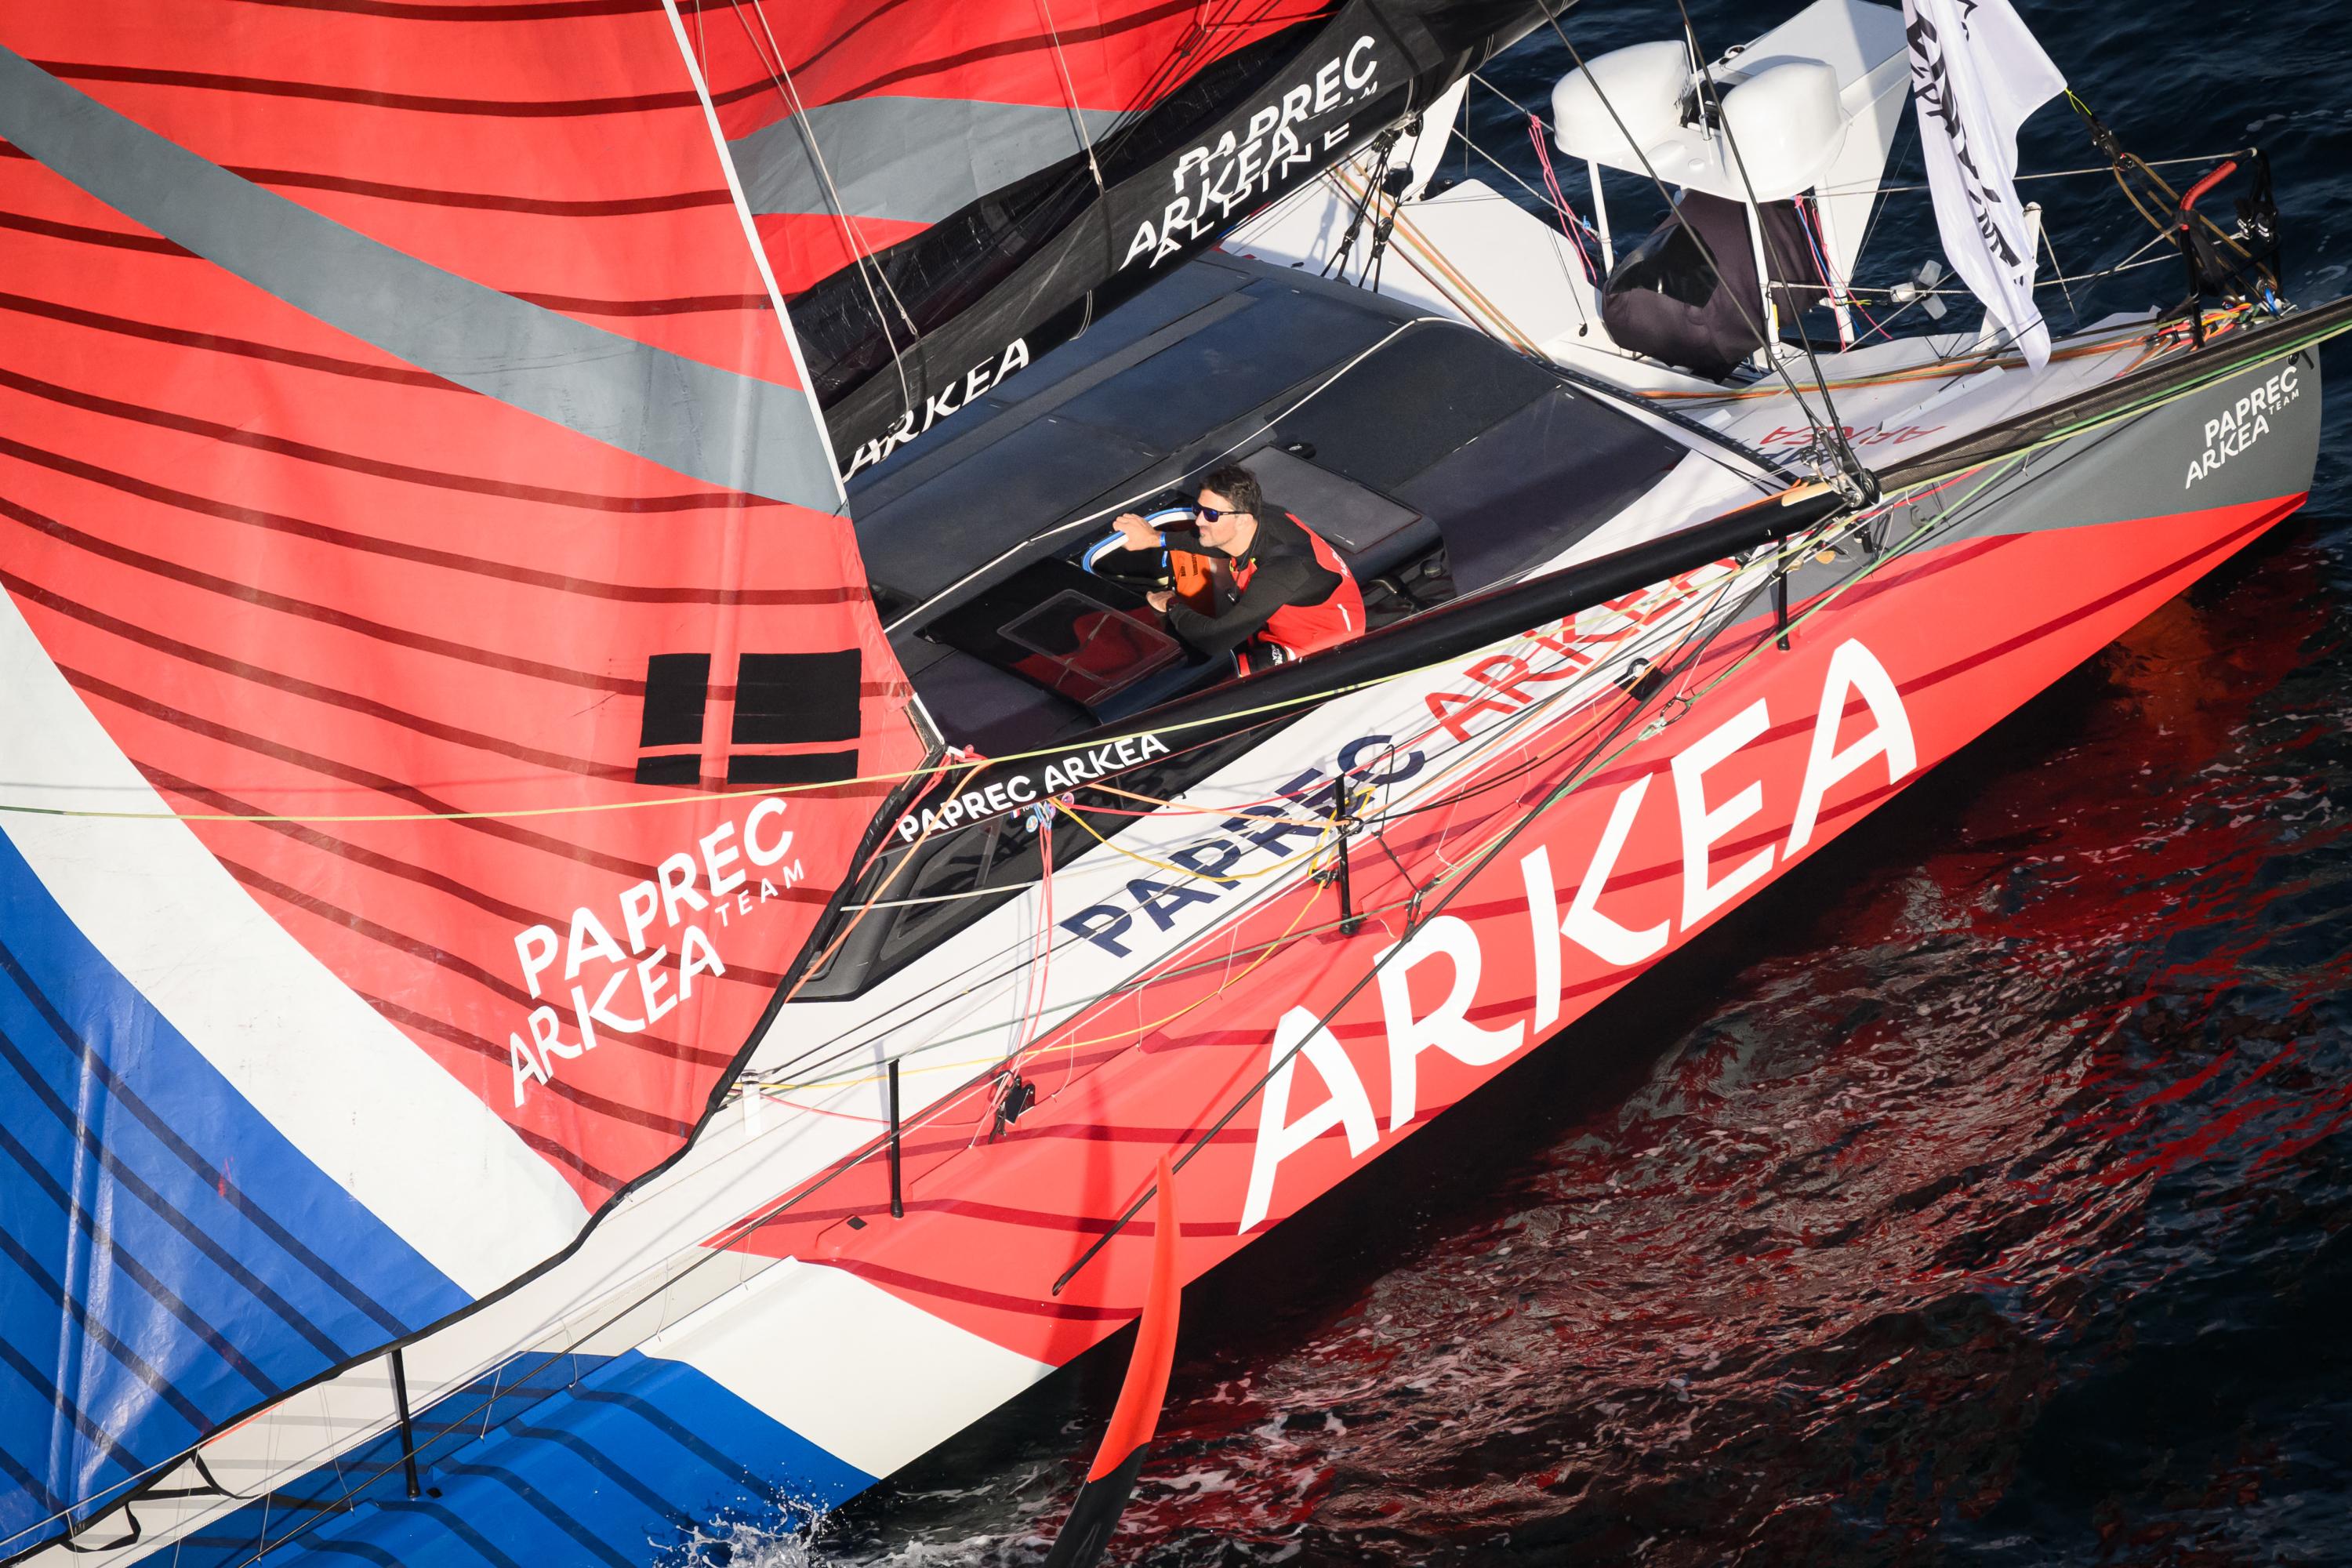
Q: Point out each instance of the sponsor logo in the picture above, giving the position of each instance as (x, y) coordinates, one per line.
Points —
(957, 394)
(1931, 81)
(1587, 927)
(1367, 762)
(2243, 424)
(1501, 683)
(1286, 135)
(1063, 773)
(627, 989)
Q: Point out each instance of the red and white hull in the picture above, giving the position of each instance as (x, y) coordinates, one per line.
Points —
(1532, 836)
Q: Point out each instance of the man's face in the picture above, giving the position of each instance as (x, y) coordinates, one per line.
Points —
(1220, 523)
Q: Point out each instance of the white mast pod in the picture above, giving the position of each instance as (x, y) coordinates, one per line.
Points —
(1979, 73)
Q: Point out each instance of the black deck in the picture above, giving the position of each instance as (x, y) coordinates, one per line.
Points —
(1433, 435)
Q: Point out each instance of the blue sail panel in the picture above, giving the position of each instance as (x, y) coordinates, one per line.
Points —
(176, 1261)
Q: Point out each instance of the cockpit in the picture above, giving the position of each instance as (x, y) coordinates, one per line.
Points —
(1435, 459)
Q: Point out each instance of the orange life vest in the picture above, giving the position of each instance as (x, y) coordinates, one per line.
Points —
(1302, 628)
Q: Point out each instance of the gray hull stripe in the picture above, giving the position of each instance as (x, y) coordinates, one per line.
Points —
(915, 160)
(729, 430)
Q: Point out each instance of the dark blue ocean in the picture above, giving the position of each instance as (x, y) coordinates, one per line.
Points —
(1983, 1194)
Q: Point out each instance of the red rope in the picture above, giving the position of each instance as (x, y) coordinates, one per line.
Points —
(1569, 222)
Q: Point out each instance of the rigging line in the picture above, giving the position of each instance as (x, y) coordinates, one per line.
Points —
(1491, 739)
(1201, 467)
(1085, 144)
(1878, 208)
(1479, 312)
(1242, 1101)
(883, 1022)
(861, 257)
(701, 1254)
(700, 78)
(1462, 131)
(1854, 469)
(1487, 742)
(1746, 310)
(2044, 174)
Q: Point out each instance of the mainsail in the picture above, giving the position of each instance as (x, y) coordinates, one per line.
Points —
(947, 192)
(420, 550)
(441, 691)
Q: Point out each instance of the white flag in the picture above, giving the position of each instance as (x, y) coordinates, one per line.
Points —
(1977, 73)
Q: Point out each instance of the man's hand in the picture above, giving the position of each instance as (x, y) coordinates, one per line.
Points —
(1161, 600)
(1138, 533)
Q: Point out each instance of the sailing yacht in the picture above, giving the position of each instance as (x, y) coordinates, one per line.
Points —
(608, 927)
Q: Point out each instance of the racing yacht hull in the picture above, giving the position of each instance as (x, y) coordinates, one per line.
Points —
(1533, 828)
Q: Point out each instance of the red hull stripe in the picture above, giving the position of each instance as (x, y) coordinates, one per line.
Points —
(1004, 1209)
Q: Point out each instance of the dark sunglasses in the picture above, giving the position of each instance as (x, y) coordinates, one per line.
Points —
(1209, 513)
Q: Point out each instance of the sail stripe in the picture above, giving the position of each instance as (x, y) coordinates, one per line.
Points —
(302, 833)
(312, 1541)
(689, 593)
(624, 1449)
(653, 1415)
(98, 687)
(908, 160)
(54, 1289)
(94, 1063)
(105, 1442)
(272, 87)
(487, 201)
(375, 468)
(138, 1273)
(618, 685)
(688, 305)
(1003, 48)
(636, 1115)
(456, 1523)
(464, 1040)
(612, 1470)
(173, 647)
(162, 1207)
(683, 305)
(424, 11)
(374, 860)
(182, 337)
(547, 1508)
(83, 234)
(99, 1334)
(48, 1502)
(726, 429)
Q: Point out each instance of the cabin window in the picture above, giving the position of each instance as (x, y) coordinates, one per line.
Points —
(1081, 636)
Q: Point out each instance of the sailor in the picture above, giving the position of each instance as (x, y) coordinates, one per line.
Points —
(1253, 584)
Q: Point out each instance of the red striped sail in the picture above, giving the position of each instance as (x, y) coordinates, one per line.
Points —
(415, 529)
